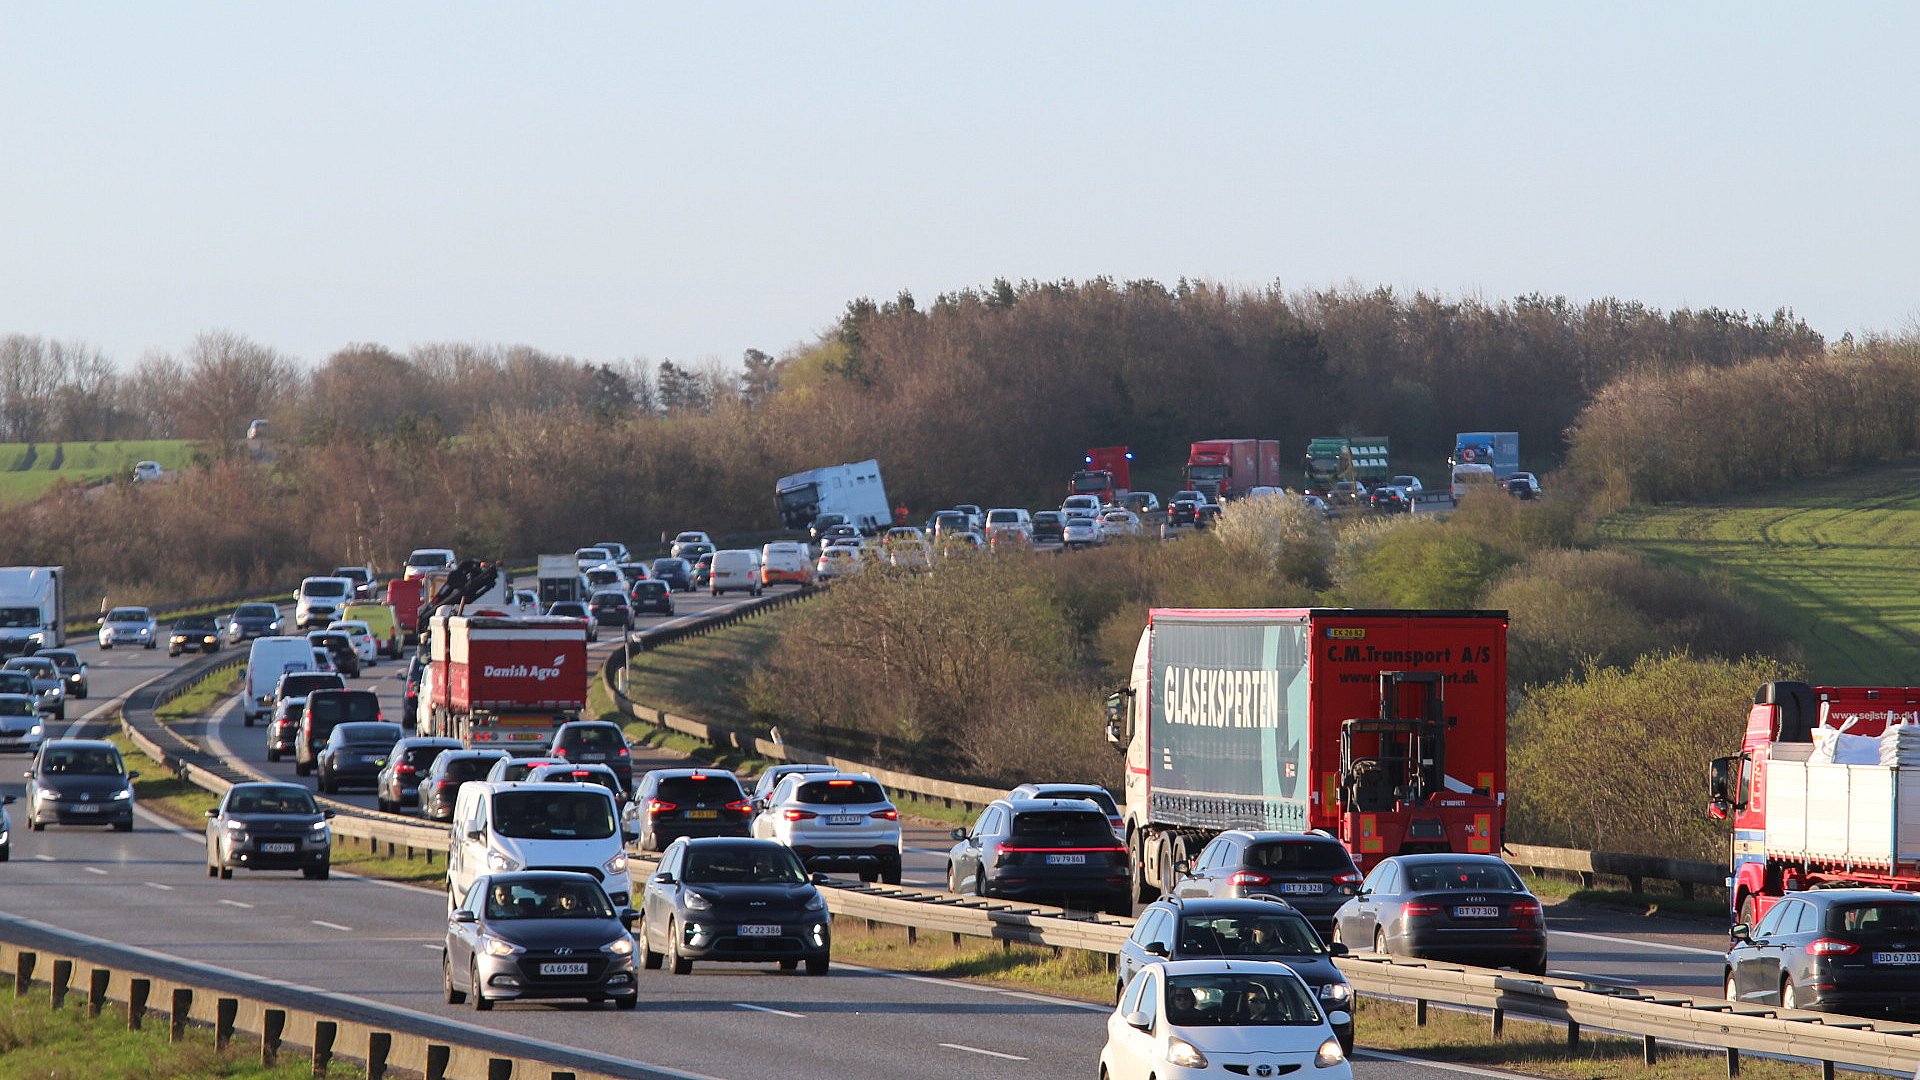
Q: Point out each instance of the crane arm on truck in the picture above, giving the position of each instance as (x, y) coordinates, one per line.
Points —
(465, 583)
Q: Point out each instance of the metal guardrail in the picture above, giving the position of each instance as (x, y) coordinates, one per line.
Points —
(1637, 869)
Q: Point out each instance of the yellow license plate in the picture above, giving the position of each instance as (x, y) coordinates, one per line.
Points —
(703, 815)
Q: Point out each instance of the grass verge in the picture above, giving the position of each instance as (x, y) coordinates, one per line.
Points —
(706, 676)
(200, 699)
(40, 1042)
(156, 788)
(1074, 974)
(1549, 887)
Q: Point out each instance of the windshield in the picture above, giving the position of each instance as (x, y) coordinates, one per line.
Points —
(16, 706)
(571, 609)
(669, 566)
(472, 767)
(799, 499)
(1206, 472)
(1457, 877)
(19, 618)
(421, 757)
(65, 660)
(256, 611)
(553, 815)
(324, 587)
(16, 682)
(1235, 999)
(38, 668)
(428, 559)
(195, 622)
(82, 761)
(356, 573)
(276, 800)
(548, 898)
(128, 614)
(1277, 934)
(757, 864)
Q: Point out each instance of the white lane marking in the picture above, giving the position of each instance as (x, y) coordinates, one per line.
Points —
(45, 858)
(1382, 1055)
(237, 903)
(94, 870)
(764, 1009)
(157, 885)
(1695, 950)
(989, 1053)
(1588, 975)
(435, 948)
(331, 925)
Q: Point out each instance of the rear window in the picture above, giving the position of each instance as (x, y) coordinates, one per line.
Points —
(650, 588)
(1002, 517)
(421, 757)
(469, 768)
(1062, 827)
(1889, 918)
(1098, 798)
(713, 789)
(1454, 877)
(194, 622)
(302, 685)
(1299, 855)
(362, 734)
(553, 815)
(846, 793)
(343, 708)
(593, 738)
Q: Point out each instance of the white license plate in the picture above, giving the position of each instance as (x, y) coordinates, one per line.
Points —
(759, 930)
(1066, 860)
(1896, 958)
(276, 849)
(1476, 913)
(85, 808)
(1303, 887)
(563, 969)
(845, 819)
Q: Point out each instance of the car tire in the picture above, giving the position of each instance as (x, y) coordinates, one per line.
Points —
(381, 802)
(678, 964)
(226, 873)
(6, 852)
(326, 785)
(1380, 941)
(454, 997)
(60, 714)
(246, 720)
(104, 647)
(1732, 991)
(890, 875)
(123, 826)
(153, 644)
(173, 652)
(272, 755)
(480, 1002)
(36, 826)
(213, 871)
(868, 877)
(317, 873)
(302, 768)
(1789, 995)
(631, 1001)
(649, 959)
(818, 965)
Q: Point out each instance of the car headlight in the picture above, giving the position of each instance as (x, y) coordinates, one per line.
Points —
(617, 864)
(620, 946)
(37, 729)
(500, 860)
(1188, 1056)
(498, 947)
(318, 834)
(123, 794)
(817, 903)
(1337, 993)
(237, 829)
(1328, 1055)
(698, 902)
(49, 793)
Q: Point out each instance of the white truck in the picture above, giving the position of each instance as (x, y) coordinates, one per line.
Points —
(33, 609)
(853, 490)
(558, 578)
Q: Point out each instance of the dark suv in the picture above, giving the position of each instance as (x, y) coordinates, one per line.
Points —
(594, 742)
(326, 710)
(677, 573)
(440, 788)
(1052, 850)
(1311, 871)
(652, 596)
(1049, 526)
(355, 754)
(672, 803)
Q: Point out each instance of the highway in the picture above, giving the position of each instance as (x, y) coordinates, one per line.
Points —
(374, 946)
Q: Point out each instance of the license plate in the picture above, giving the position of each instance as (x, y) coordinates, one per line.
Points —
(1303, 887)
(1476, 913)
(845, 819)
(276, 849)
(1896, 958)
(85, 808)
(563, 969)
(1066, 860)
(759, 930)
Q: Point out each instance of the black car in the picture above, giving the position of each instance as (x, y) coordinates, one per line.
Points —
(653, 596)
(1054, 850)
(677, 573)
(250, 621)
(71, 667)
(1183, 508)
(326, 710)
(265, 826)
(1180, 929)
(1311, 871)
(79, 782)
(594, 742)
(566, 772)
(1387, 500)
(346, 658)
(355, 754)
(410, 696)
(1854, 951)
(733, 899)
(538, 934)
(440, 788)
(672, 803)
(408, 761)
(611, 609)
(1470, 909)
(193, 633)
(817, 529)
(1049, 526)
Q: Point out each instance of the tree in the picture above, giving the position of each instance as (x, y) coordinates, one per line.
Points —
(681, 389)
(760, 380)
(230, 382)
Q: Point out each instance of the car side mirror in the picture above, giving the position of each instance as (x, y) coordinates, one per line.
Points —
(1157, 948)
(958, 834)
(819, 879)
(464, 915)
(210, 813)
(1741, 932)
(628, 917)
(1340, 1018)
(476, 834)
(663, 879)
(326, 813)
(1337, 949)
(134, 775)
(1183, 867)
(629, 835)
(6, 800)
(28, 774)
(1138, 1020)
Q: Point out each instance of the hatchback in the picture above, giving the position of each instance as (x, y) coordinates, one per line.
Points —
(671, 803)
(250, 621)
(1221, 1017)
(71, 668)
(575, 609)
(594, 742)
(611, 609)
(1055, 850)
(79, 782)
(538, 934)
(129, 626)
(653, 597)
(1311, 871)
(193, 633)
(408, 761)
(1047, 526)
(835, 822)
(1851, 951)
(1469, 909)
(837, 562)
(440, 788)
(283, 731)
(21, 727)
(733, 899)
(677, 573)
(266, 826)
(355, 754)
(49, 687)
(1081, 530)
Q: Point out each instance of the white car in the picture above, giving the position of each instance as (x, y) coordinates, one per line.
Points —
(323, 660)
(1089, 503)
(835, 821)
(1119, 523)
(365, 645)
(913, 555)
(147, 470)
(424, 561)
(590, 557)
(1219, 1018)
(837, 562)
(1009, 523)
(129, 626)
(1407, 484)
(1081, 530)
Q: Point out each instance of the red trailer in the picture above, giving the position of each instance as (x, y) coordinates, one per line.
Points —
(506, 683)
(1269, 475)
(1226, 468)
(408, 596)
(1108, 473)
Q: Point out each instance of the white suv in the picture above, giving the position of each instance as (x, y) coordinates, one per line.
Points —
(320, 600)
(835, 821)
(1009, 524)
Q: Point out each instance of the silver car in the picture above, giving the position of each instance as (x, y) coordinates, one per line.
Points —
(21, 727)
(129, 626)
(71, 667)
(539, 934)
(49, 686)
(839, 821)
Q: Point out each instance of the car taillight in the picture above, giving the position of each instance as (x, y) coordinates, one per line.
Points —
(1351, 877)
(1831, 947)
(888, 814)
(1420, 909)
(798, 815)
(560, 751)
(660, 806)
(405, 769)
(581, 774)
(1526, 909)
(443, 785)
(622, 753)
(740, 806)
(1248, 877)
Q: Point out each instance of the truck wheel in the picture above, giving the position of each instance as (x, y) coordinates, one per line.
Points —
(1166, 855)
(1749, 909)
(1143, 890)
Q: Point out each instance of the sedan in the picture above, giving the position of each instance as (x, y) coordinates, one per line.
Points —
(79, 782)
(355, 753)
(733, 899)
(837, 562)
(193, 633)
(677, 573)
(574, 609)
(1119, 523)
(49, 687)
(129, 626)
(1854, 951)
(267, 826)
(72, 669)
(1081, 530)
(538, 934)
(1241, 1017)
(1464, 908)
(250, 621)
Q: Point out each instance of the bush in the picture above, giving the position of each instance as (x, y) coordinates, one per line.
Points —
(1284, 536)
(1417, 564)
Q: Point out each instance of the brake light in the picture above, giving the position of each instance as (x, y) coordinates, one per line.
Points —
(660, 806)
(1248, 877)
(798, 815)
(405, 769)
(839, 783)
(1831, 947)
(559, 751)
(889, 814)
(740, 806)
(1526, 909)
(443, 785)
(1351, 877)
(623, 752)
(581, 774)
(699, 776)
(1420, 909)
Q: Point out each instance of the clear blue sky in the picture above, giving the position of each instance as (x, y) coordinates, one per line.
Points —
(688, 180)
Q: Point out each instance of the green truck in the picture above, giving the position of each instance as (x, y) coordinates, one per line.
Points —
(1334, 458)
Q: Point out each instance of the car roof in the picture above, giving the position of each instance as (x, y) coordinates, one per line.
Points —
(1040, 806)
(1428, 858)
(429, 740)
(91, 744)
(1829, 897)
(1211, 965)
(1027, 790)
(668, 774)
(1201, 905)
(1261, 836)
(268, 785)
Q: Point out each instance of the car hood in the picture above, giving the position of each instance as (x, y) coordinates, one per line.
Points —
(11, 722)
(1279, 1040)
(271, 822)
(18, 633)
(587, 935)
(78, 783)
(114, 625)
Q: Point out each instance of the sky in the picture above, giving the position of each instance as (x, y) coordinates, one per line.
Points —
(687, 181)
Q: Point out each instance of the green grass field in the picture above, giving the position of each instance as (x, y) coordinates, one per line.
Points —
(1831, 561)
(30, 470)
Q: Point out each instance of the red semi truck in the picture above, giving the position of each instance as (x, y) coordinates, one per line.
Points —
(1387, 729)
(1825, 791)
(1108, 474)
(505, 683)
(1229, 468)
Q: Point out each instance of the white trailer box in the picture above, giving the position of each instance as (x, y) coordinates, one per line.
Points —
(33, 609)
(1865, 816)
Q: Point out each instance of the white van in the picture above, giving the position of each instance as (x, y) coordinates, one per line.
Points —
(270, 658)
(504, 826)
(736, 569)
(1472, 478)
(320, 600)
(1089, 503)
(787, 562)
(424, 561)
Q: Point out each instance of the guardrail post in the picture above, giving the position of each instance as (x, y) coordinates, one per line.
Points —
(225, 1011)
(1649, 1050)
(62, 976)
(1733, 1062)
(137, 993)
(23, 964)
(97, 980)
(379, 1045)
(182, 1010)
(1573, 1035)
(1498, 1021)
(273, 1024)
(324, 1032)
(913, 935)
(438, 1054)
(1420, 1012)
(499, 1069)
(1826, 1070)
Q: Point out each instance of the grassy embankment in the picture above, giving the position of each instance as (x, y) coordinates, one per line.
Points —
(38, 1042)
(1829, 560)
(30, 470)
